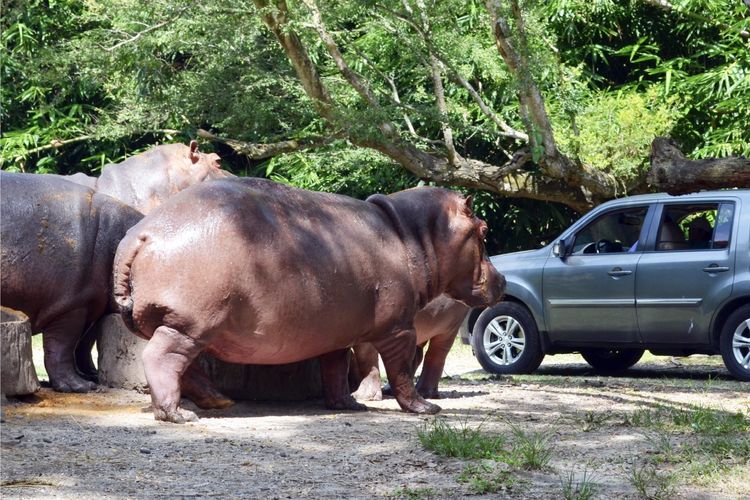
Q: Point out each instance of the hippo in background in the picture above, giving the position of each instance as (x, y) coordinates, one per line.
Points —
(437, 324)
(145, 180)
(256, 272)
(57, 245)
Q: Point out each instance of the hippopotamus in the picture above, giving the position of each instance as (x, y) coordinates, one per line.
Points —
(256, 272)
(57, 245)
(437, 324)
(145, 180)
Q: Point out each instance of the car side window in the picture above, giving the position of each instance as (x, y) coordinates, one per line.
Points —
(613, 232)
(695, 226)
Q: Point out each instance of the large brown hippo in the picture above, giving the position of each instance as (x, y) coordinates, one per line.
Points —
(256, 272)
(437, 324)
(58, 242)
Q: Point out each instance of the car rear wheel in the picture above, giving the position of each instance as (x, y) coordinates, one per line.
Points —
(506, 340)
(735, 343)
(611, 361)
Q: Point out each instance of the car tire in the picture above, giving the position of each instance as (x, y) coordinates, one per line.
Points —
(734, 343)
(505, 340)
(611, 361)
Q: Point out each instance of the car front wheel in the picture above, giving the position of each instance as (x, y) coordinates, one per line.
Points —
(735, 343)
(611, 361)
(506, 340)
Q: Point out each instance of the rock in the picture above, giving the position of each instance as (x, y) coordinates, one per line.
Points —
(17, 373)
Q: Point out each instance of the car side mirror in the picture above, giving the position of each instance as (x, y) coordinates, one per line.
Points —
(560, 248)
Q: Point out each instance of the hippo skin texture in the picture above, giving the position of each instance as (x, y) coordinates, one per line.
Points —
(57, 246)
(256, 272)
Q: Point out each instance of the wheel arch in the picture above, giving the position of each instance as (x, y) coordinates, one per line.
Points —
(721, 318)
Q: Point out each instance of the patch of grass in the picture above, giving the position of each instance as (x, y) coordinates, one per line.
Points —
(582, 489)
(486, 477)
(414, 493)
(704, 443)
(593, 420)
(531, 450)
(445, 440)
(650, 483)
(699, 419)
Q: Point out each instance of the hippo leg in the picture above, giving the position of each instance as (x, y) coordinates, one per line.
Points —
(165, 358)
(59, 339)
(414, 365)
(198, 388)
(398, 355)
(334, 370)
(434, 362)
(366, 357)
(84, 362)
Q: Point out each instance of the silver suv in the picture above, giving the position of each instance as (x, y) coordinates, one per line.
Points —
(657, 272)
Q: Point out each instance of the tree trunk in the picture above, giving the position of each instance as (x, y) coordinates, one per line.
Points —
(17, 373)
(120, 366)
(675, 174)
(120, 352)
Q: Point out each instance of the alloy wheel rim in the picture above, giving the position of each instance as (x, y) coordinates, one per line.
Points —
(741, 344)
(504, 340)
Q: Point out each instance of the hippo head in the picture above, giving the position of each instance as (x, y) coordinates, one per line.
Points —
(450, 241)
(202, 166)
(471, 277)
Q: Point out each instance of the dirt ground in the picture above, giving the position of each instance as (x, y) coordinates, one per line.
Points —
(107, 444)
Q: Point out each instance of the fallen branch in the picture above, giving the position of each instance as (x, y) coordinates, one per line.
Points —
(672, 172)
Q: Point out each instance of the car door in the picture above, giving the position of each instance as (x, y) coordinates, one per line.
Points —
(686, 272)
(589, 295)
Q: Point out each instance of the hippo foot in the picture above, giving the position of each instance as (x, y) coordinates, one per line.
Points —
(429, 393)
(347, 403)
(420, 406)
(90, 376)
(71, 383)
(176, 415)
(368, 394)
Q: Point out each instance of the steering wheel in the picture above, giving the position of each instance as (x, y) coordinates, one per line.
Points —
(603, 245)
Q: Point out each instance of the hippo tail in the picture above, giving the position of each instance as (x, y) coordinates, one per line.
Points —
(122, 285)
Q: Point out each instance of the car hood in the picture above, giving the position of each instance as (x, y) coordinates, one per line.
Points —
(509, 261)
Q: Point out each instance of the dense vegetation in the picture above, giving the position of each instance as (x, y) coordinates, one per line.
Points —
(550, 105)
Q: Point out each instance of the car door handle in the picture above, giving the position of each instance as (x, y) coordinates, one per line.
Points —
(715, 268)
(618, 272)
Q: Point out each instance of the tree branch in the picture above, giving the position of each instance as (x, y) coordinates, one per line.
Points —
(148, 30)
(261, 151)
(675, 174)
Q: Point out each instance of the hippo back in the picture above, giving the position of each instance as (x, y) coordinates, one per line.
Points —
(146, 180)
(57, 244)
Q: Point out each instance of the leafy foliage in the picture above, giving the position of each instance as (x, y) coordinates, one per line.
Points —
(89, 82)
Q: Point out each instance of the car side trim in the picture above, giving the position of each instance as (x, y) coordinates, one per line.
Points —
(590, 302)
(669, 302)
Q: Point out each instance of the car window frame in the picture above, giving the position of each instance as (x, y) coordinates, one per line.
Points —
(655, 222)
(572, 235)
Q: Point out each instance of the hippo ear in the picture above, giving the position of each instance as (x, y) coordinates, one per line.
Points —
(193, 155)
(468, 202)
